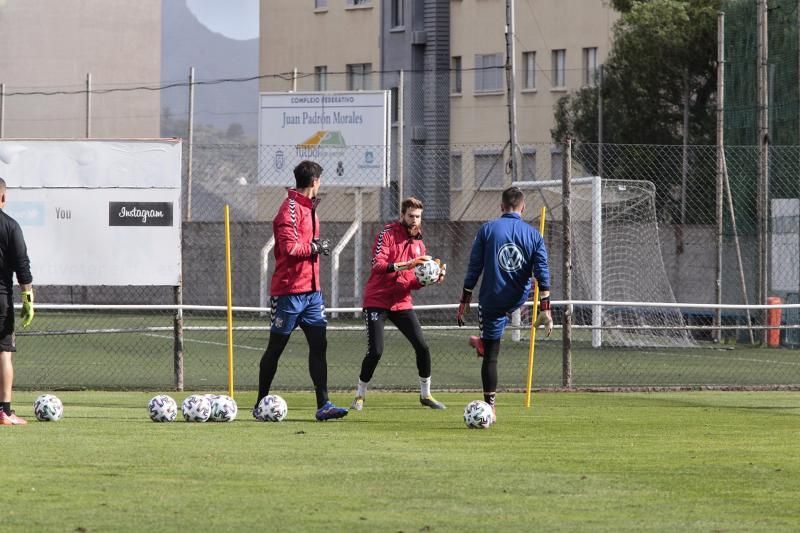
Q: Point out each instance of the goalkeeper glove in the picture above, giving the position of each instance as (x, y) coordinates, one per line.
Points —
(466, 298)
(442, 270)
(27, 308)
(545, 316)
(320, 247)
(408, 265)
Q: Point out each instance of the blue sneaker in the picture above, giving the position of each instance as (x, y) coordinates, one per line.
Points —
(330, 411)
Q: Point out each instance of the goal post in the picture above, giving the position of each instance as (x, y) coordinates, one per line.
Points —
(617, 257)
(596, 243)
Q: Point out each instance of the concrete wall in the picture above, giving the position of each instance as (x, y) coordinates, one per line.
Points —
(50, 45)
(294, 34)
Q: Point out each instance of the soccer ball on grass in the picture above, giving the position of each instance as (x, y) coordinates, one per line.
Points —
(196, 408)
(271, 408)
(478, 415)
(223, 409)
(162, 408)
(48, 408)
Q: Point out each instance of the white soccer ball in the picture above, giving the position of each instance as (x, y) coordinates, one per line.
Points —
(478, 415)
(48, 408)
(196, 408)
(223, 409)
(271, 408)
(162, 408)
(428, 272)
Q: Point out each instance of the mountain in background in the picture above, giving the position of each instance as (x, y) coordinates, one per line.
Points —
(231, 107)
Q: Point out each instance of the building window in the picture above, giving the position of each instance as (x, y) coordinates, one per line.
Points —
(358, 2)
(489, 170)
(589, 66)
(488, 73)
(394, 95)
(321, 78)
(528, 164)
(397, 13)
(358, 76)
(320, 4)
(529, 63)
(455, 75)
(559, 68)
(556, 164)
(456, 181)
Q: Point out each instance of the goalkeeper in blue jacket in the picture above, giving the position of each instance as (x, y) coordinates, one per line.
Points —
(507, 251)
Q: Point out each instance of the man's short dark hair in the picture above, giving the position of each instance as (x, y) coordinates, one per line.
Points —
(410, 203)
(513, 198)
(2, 185)
(305, 173)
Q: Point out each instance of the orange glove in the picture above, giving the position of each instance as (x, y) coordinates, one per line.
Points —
(408, 265)
(442, 270)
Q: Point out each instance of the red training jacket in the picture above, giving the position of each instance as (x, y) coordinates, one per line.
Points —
(295, 225)
(392, 290)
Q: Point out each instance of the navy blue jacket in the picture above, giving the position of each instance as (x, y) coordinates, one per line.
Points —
(507, 251)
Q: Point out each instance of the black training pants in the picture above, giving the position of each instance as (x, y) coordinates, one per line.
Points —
(408, 324)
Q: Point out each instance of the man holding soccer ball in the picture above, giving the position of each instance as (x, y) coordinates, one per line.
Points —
(397, 252)
(13, 260)
(507, 251)
(296, 295)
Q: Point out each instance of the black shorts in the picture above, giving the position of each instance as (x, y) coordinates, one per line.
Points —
(7, 340)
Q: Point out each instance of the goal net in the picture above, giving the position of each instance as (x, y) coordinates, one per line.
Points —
(616, 257)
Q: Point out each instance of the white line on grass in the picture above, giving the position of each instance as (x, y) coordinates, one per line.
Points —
(214, 343)
(742, 359)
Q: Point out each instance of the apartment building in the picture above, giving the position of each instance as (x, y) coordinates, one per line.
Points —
(451, 54)
(49, 47)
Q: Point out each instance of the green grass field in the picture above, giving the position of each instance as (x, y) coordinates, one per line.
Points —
(699, 461)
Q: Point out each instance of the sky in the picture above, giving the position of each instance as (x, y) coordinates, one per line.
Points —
(235, 19)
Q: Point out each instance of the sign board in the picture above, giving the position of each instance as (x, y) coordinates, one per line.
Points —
(345, 132)
(97, 212)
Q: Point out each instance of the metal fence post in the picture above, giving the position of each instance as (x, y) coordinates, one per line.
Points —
(88, 105)
(177, 328)
(566, 336)
(2, 109)
(190, 146)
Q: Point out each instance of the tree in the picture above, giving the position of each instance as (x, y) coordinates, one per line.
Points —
(663, 51)
(235, 131)
(662, 61)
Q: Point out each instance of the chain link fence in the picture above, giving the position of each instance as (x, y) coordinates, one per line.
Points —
(658, 245)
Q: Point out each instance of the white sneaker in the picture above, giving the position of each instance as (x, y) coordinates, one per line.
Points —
(358, 403)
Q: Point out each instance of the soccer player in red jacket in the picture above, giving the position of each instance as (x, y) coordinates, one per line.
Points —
(398, 249)
(296, 295)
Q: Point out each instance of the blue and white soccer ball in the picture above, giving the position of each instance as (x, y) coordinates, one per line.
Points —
(223, 409)
(271, 408)
(428, 272)
(162, 408)
(196, 408)
(48, 408)
(478, 415)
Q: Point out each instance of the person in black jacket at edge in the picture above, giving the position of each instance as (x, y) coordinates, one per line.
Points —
(13, 260)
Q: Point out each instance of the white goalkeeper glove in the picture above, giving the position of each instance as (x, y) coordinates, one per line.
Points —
(545, 317)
